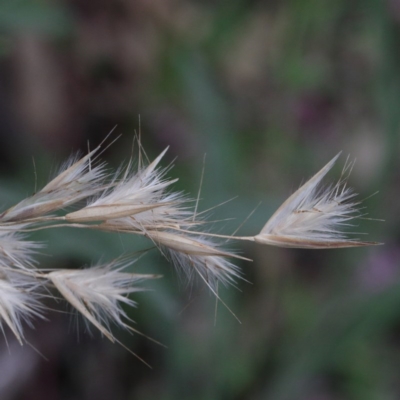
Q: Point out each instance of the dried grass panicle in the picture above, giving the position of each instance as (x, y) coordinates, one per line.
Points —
(142, 202)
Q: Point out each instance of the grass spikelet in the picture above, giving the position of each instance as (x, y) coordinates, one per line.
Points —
(15, 250)
(198, 255)
(133, 193)
(313, 217)
(76, 181)
(98, 292)
(18, 304)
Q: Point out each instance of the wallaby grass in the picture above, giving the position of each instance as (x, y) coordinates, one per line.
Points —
(139, 199)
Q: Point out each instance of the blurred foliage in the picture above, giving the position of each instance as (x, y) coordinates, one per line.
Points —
(28, 16)
(269, 91)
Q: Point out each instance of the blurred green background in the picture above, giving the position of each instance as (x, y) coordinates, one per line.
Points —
(270, 91)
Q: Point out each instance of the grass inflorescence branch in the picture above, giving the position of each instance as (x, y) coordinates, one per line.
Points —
(141, 201)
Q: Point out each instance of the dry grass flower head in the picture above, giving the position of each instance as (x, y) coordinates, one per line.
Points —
(141, 201)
